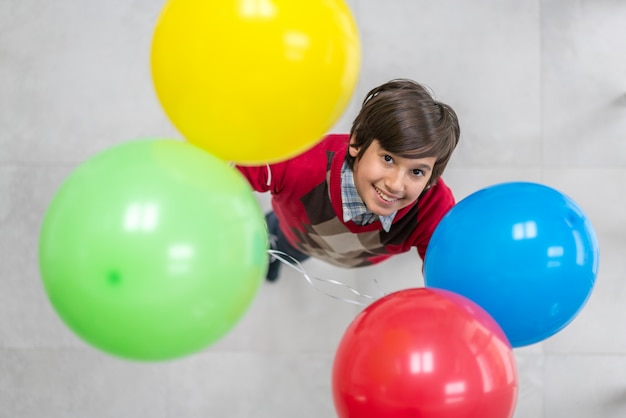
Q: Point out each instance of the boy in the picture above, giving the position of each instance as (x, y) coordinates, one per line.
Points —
(356, 200)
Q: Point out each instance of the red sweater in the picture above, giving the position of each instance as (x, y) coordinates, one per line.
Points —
(306, 197)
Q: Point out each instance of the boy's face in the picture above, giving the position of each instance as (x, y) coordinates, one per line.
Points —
(387, 182)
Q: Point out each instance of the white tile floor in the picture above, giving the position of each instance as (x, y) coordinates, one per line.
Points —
(539, 87)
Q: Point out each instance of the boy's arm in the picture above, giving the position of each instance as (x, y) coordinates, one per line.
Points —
(257, 176)
(264, 178)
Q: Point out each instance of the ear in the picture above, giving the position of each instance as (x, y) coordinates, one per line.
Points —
(353, 149)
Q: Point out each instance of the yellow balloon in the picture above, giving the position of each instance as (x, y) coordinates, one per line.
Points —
(255, 81)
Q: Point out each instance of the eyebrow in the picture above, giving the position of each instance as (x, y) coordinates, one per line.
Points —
(420, 166)
(424, 167)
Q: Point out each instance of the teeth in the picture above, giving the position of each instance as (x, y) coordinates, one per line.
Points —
(383, 196)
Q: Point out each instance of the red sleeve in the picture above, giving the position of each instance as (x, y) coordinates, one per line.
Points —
(299, 173)
(257, 177)
(265, 178)
(433, 206)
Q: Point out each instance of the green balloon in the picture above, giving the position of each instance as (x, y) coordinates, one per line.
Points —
(153, 249)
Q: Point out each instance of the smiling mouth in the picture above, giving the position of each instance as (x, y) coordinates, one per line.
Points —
(385, 197)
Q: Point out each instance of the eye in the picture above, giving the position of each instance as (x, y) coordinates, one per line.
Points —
(387, 158)
(417, 172)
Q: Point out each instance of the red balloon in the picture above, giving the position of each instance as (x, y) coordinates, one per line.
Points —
(424, 353)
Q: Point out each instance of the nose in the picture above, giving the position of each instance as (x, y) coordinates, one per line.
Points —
(394, 182)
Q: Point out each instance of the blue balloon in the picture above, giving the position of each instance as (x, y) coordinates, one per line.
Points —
(524, 252)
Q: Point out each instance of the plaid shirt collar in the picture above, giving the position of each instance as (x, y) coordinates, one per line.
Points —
(353, 207)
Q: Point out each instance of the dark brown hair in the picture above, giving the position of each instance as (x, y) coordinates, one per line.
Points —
(407, 121)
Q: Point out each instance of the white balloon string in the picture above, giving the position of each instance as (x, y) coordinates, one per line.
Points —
(312, 280)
